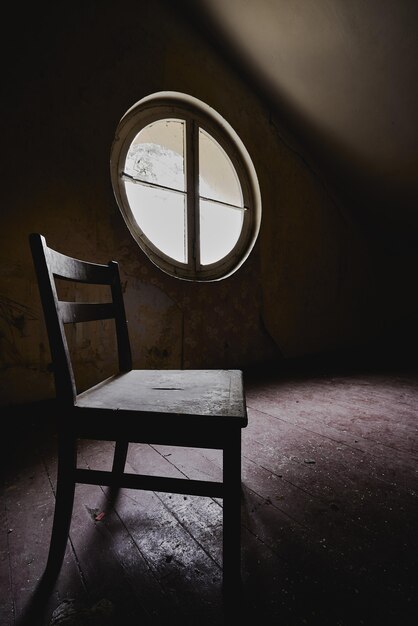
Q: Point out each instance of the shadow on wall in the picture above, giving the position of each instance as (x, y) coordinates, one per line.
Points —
(339, 81)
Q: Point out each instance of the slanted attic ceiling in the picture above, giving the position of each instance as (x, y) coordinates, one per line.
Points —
(340, 79)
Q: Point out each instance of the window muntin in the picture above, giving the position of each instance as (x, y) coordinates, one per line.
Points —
(186, 187)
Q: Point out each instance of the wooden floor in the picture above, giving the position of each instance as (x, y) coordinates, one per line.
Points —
(329, 516)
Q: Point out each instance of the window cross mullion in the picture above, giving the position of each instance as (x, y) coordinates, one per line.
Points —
(140, 181)
(192, 182)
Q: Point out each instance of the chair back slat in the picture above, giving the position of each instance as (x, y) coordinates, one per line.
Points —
(74, 312)
(51, 265)
(75, 270)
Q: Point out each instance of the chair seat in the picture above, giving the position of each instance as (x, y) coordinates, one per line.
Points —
(197, 399)
(187, 392)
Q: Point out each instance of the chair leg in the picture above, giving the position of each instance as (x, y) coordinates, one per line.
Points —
(118, 467)
(64, 499)
(232, 518)
(119, 459)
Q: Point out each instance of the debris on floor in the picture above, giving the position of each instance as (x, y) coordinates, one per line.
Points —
(69, 613)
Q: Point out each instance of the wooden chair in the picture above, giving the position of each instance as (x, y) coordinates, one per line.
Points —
(188, 408)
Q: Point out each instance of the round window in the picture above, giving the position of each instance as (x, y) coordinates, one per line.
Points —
(186, 187)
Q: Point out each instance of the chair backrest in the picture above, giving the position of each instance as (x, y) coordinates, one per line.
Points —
(51, 265)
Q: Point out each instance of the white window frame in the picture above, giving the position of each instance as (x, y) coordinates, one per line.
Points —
(196, 114)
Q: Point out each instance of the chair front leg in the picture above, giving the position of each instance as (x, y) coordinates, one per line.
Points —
(232, 516)
(64, 500)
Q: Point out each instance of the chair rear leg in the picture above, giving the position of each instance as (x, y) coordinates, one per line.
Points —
(119, 459)
(232, 518)
(64, 500)
(118, 467)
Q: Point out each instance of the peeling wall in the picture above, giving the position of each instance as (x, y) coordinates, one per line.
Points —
(303, 289)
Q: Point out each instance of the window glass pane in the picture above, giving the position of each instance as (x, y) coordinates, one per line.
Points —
(156, 155)
(218, 179)
(160, 214)
(220, 228)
